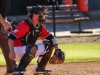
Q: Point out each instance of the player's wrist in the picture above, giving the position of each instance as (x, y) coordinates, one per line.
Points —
(11, 51)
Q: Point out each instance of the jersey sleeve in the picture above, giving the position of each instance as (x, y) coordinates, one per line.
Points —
(44, 33)
(21, 30)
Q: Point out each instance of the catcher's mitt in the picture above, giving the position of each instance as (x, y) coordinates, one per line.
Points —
(57, 58)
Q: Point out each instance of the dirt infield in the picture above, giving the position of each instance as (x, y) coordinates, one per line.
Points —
(90, 68)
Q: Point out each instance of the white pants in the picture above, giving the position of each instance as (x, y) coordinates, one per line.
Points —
(20, 51)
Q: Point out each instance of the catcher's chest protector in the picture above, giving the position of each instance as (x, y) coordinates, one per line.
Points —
(33, 34)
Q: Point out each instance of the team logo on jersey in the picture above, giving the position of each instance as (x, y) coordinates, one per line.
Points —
(36, 30)
(15, 31)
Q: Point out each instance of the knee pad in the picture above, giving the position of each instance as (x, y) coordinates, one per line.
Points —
(31, 50)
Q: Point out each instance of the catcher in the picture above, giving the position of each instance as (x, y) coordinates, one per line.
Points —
(23, 38)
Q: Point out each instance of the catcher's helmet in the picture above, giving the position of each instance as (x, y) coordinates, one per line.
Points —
(37, 9)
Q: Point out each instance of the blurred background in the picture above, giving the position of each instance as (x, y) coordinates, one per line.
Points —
(18, 7)
(18, 12)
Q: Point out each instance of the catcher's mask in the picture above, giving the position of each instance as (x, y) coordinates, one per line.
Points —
(41, 10)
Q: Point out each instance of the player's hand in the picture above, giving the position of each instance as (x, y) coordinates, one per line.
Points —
(12, 55)
(7, 25)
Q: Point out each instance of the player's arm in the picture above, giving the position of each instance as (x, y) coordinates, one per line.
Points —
(58, 52)
(45, 34)
(11, 39)
(5, 23)
(17, 33)
(53, 41)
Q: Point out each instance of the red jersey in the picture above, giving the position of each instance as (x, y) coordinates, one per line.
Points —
(22, 29)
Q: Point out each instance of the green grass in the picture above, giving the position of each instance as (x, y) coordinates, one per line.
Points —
(81, 52)
(75, 52)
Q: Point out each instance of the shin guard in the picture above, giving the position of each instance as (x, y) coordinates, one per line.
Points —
(27, 57)
(43, 59)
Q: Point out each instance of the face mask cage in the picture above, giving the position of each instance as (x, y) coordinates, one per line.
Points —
(42, 15)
